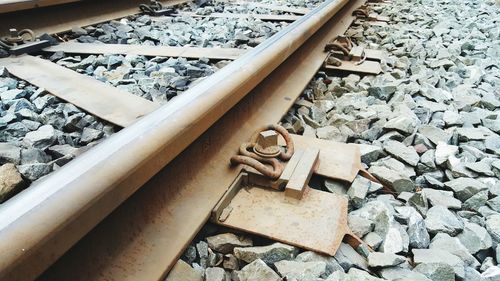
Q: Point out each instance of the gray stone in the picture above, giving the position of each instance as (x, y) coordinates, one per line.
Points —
(433, 181)
(359, 225)
(34, 171)
(337, 276)
(481, 167)
(300, 271)
(226, 242)
(369, 153)
(9, 153)
(426, 256)
(476, 201)
(436, 271)
(443, 152)
(405, 196)
(492, 144)
(382, 92)
(402, 152)
(202, 248)
(10, 181)
(58, 151)
(384, 259)
(183, 272)
(336, 187)
(452, 118)
(452, 245)
(190, 254)
(491, 274)
(487, 263)
(34, 155)
(427, 159)
(464, 188)
(396, 165)
(42, 138)
(468, 134)
(269, 254)
(419, 202)
(215, 274)
(331, 263)
(475, 238)
(230, 262)
(497, 252)
(358, 190)
(485, 211)
(373, 240)
(491, 124)
(90, 135)
(417, 235)
(396, 239)
(472, 275)
(258, 271)
(393, 179)
(494, 203)
(435, 135)
(401, 272)
(495, 166)
(493, 226)
(403, 124)
(355, 274)
(13, 94)
(440, 219)
(442, 198)
(348, 258)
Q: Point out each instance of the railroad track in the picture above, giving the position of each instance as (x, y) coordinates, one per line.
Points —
(162, 174)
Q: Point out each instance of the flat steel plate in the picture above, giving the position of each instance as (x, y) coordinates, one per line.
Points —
(144, 50)
(336, 160)
(367, 67)
(317, 222)
(98, 98)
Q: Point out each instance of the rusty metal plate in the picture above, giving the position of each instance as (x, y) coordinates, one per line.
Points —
(102, 100)
(336, 160)
(317, 222)
(264, 17)
(373, 23)
(144, 50)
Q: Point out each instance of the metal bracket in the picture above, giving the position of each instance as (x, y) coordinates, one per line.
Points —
(28, 48)
(17, 44)
(363, 15)
(344, 55)
(298, 215)
(156, 9)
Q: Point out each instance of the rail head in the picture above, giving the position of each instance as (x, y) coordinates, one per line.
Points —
(8, 6)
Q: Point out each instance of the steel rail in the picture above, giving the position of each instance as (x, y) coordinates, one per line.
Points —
(38, 225)
(17, 5)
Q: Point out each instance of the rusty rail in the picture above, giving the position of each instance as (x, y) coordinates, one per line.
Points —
(41, 223)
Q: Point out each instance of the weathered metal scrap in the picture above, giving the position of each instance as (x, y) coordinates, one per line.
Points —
(344, 55)
(278, 203)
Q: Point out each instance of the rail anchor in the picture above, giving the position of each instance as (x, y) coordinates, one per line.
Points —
(286, 208)
(344, 55)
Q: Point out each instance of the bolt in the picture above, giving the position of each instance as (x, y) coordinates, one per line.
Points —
(267, 144)
(13, 32)
(267, 138)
